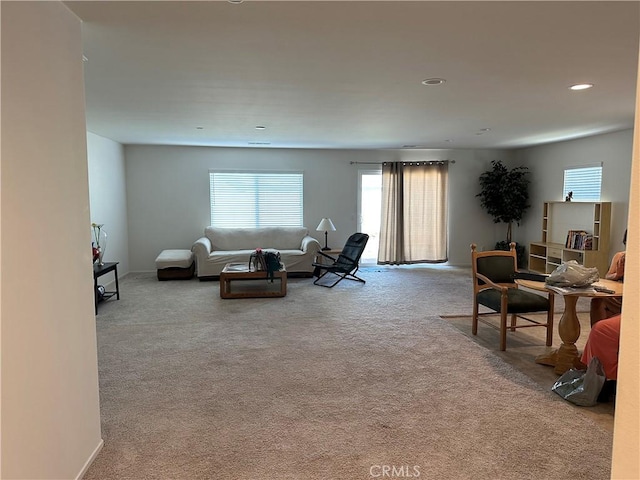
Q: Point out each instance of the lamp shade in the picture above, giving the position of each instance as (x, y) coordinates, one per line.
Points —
(326, 225)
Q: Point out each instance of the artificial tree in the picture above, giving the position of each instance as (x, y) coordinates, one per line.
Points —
(505, 196)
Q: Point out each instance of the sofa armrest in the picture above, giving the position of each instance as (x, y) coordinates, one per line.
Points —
(310, 245)
(201, 248)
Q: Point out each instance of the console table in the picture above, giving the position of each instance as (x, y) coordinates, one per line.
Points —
(100, 270)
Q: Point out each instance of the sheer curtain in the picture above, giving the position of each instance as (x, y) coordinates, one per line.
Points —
(414, 213)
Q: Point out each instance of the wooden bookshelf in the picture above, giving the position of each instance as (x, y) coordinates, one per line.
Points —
(558, 218)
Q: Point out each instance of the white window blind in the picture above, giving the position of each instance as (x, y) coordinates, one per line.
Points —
(584, 182)
(256, 199)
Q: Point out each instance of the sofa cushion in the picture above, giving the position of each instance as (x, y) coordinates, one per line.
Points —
(279, 238)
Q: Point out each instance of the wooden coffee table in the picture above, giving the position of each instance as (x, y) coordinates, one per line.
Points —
(237, 281)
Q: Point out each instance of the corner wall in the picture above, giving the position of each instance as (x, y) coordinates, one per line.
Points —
(108, 197)
(50, 406)
(547, 164)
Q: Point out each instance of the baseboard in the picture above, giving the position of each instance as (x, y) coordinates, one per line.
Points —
(111, 284)
(90, 460)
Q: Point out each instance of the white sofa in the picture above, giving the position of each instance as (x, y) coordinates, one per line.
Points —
(220, 246)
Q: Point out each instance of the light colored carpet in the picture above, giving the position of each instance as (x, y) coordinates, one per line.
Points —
(524, 345)
(323, 384)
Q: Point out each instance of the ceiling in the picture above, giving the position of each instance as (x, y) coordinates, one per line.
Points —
(349, 74)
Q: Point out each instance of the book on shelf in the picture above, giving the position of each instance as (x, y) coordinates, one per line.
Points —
(579, 240)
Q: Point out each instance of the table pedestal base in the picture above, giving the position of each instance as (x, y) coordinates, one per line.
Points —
(550, 359)
(566, 357)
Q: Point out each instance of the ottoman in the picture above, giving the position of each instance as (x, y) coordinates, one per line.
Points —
(175, 265)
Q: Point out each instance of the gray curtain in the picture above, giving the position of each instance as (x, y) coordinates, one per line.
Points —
(414, 213)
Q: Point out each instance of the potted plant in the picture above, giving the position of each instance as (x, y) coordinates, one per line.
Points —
(505, 196)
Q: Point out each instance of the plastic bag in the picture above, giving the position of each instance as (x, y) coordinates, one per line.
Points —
(581, 387)
(572, 274)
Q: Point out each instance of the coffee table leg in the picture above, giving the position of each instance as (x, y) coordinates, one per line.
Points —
(223, 283)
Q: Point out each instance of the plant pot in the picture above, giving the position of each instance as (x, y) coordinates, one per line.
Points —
(520, 252)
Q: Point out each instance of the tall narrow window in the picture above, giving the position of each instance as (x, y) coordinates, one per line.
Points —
(256, 199)
(584, 183)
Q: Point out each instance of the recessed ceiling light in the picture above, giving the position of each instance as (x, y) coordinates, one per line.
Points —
(433, 81)
(581, 86)
(260, 127)
(199, 128)
(235, 2)
(259, 143)
(485, 129)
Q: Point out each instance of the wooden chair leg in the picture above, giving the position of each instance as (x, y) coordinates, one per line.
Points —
(503, 330)
(513, 322)
(550, 313)
(474, 322)
(550, 327)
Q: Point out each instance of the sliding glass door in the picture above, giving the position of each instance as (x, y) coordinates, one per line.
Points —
(369, 207)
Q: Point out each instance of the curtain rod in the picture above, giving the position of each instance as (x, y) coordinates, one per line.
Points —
(404, 161)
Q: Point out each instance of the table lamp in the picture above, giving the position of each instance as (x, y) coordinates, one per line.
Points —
(326, 224)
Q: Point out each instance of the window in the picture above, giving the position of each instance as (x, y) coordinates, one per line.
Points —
(584, 182)
(256, 199)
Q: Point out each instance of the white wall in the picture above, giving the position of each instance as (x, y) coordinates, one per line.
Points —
(626, 440)
(50, 407)
(168, 192)
(108, 198)
(547, 164)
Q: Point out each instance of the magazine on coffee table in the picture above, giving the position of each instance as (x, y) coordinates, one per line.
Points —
(237, 267)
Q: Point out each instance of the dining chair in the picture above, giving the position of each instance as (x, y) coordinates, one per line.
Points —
(494, 287)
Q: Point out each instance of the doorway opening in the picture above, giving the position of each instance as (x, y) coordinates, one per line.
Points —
(369, 211)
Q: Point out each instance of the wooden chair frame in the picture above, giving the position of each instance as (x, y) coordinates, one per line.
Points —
(482, 282)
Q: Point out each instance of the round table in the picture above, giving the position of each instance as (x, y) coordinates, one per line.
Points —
(566, 356)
